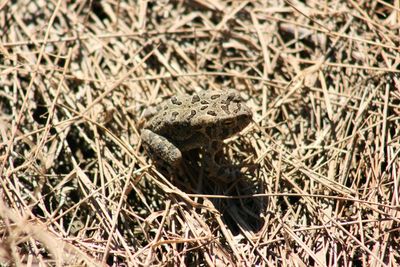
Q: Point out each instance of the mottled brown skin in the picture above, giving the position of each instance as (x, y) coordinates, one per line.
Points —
(202, 120)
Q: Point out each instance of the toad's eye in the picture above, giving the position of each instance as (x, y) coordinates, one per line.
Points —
(228, 122)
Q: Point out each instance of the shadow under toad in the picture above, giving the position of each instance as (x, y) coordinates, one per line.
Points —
(233, 194)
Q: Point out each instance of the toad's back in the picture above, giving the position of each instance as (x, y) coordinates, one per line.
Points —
(209, 115)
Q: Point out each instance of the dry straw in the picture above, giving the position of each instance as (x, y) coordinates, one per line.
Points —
(318, 168)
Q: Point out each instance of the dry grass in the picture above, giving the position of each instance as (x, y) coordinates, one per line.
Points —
(320, 166)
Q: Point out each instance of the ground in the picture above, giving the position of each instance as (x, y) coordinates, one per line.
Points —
(317, 170)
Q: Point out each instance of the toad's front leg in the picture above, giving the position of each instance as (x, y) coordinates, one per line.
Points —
(160, 147)
(214, 169)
